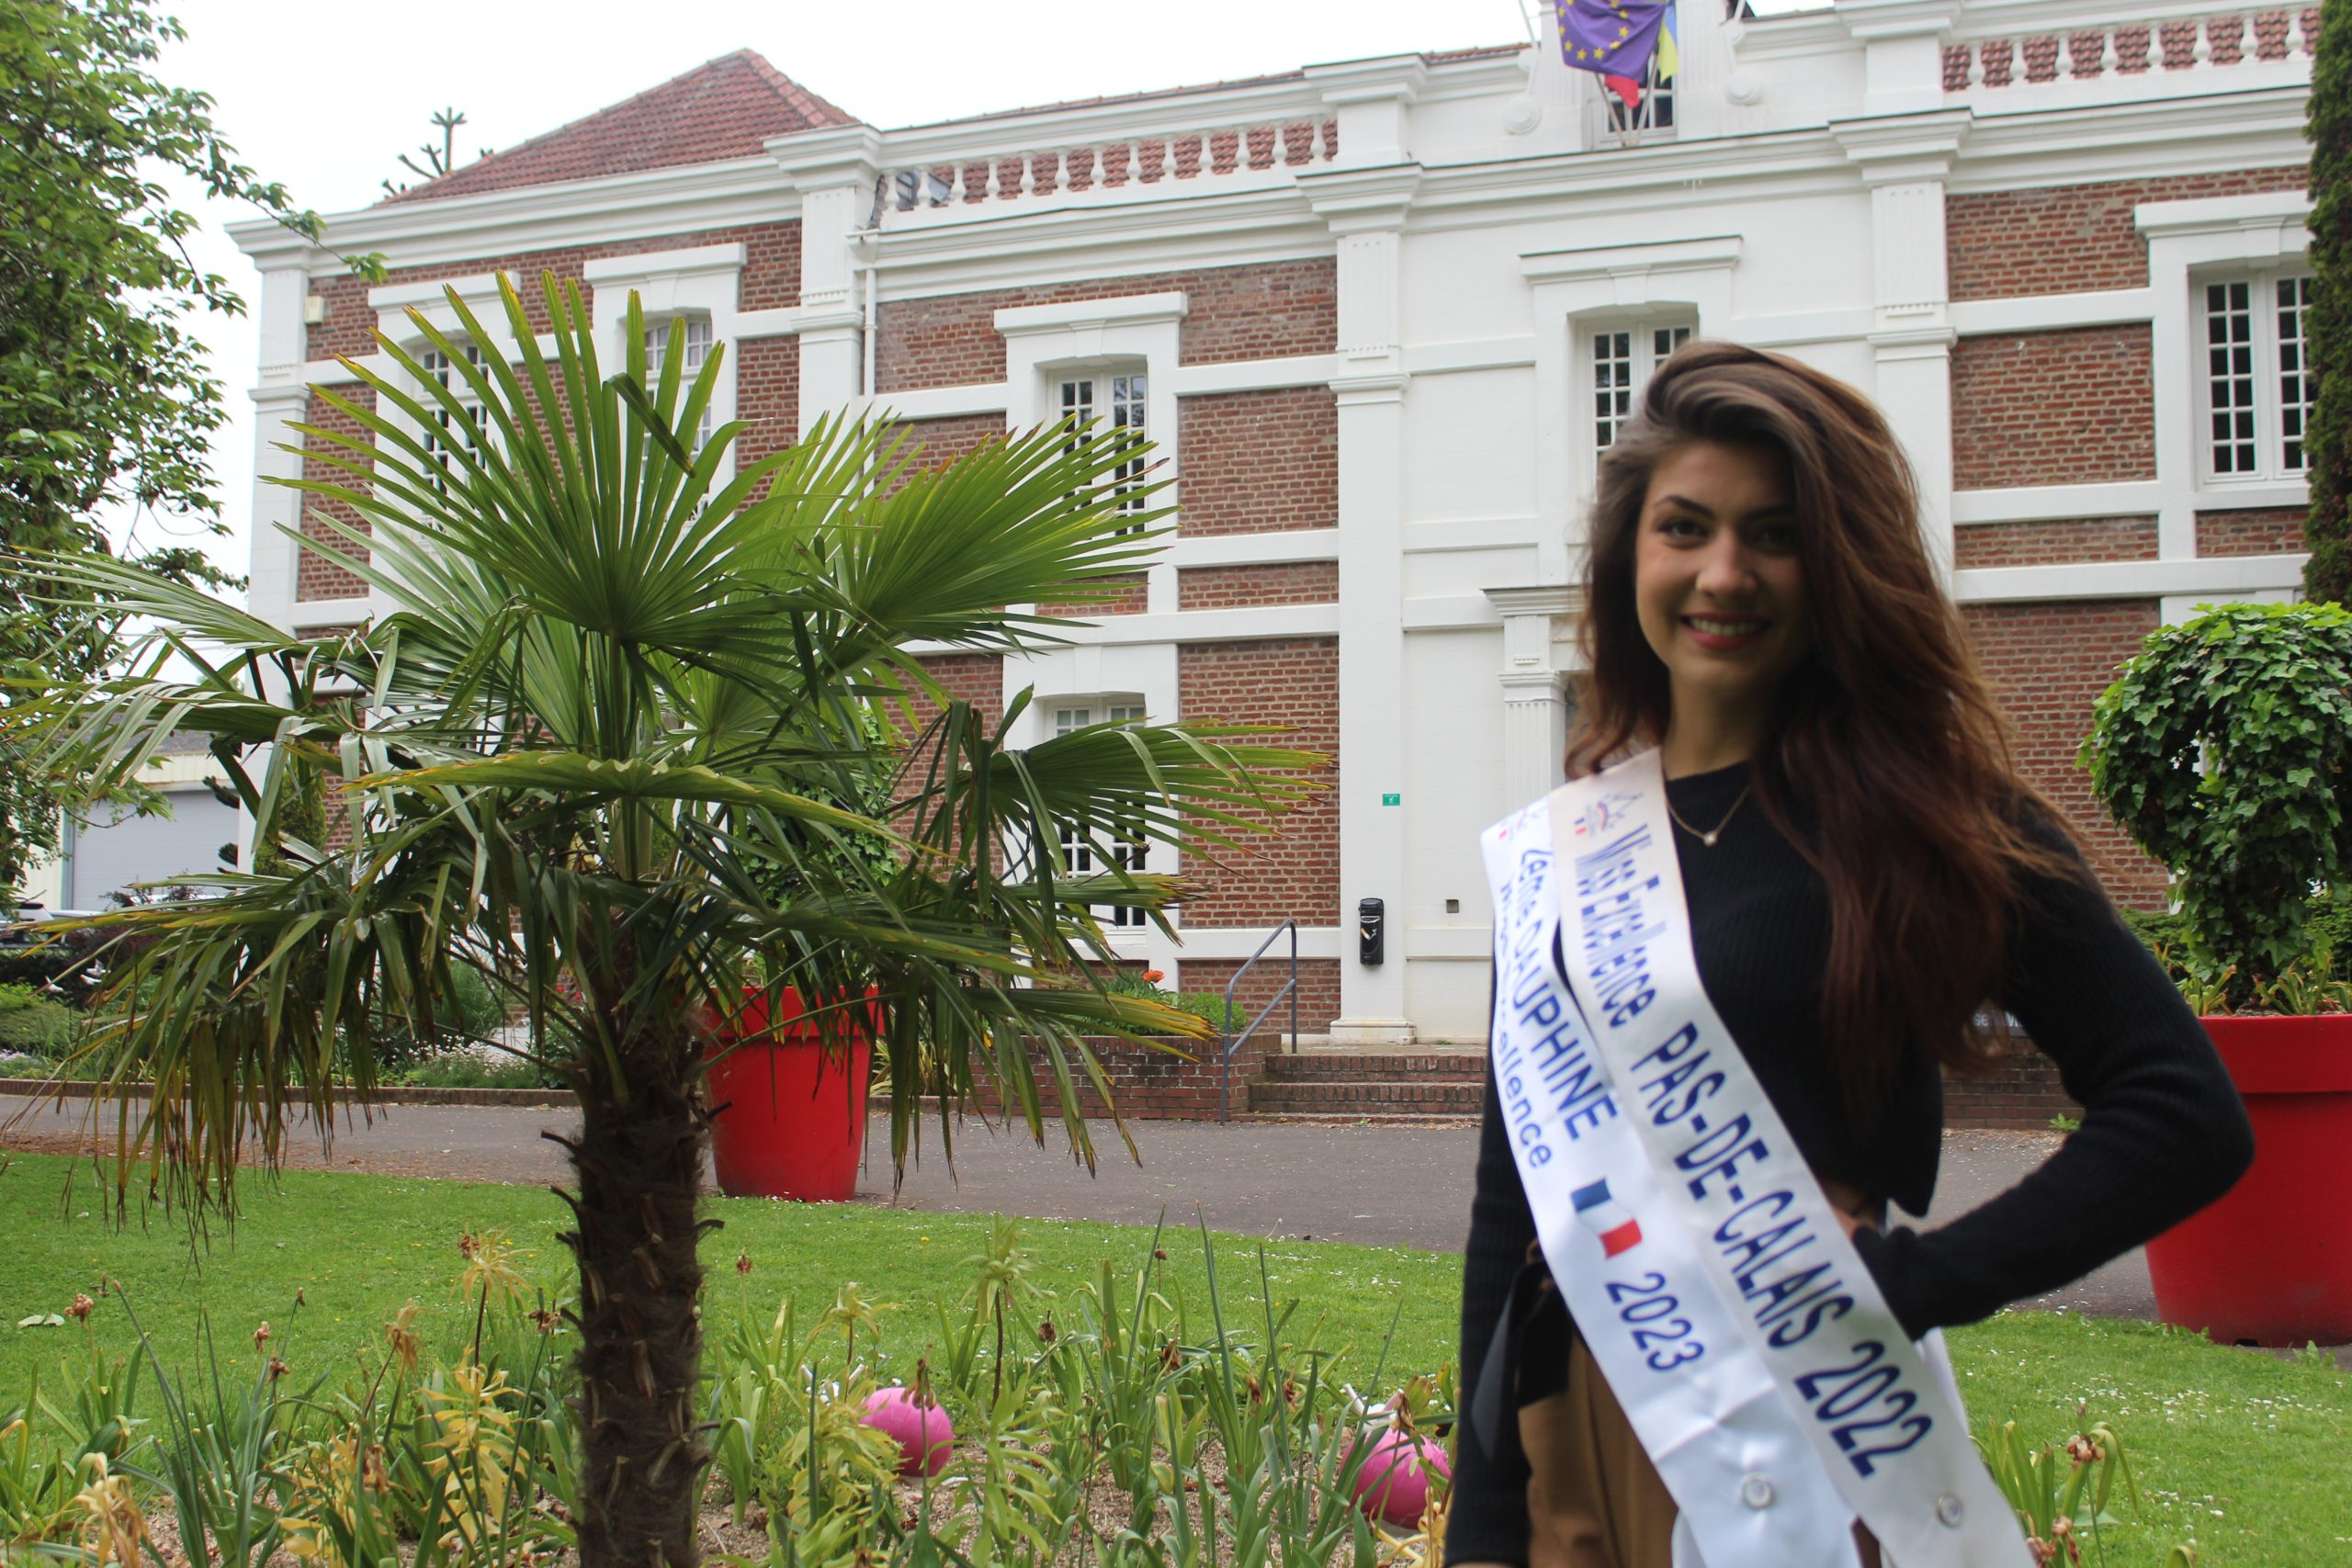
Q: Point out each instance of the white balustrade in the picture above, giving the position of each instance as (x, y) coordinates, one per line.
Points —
(2218, 41)
(1207, 154)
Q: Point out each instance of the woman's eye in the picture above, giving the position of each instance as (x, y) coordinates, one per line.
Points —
(1776, 536)
(1682, 528)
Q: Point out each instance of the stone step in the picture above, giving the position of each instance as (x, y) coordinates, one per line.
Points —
(1376, 1065)
(1330, 1098)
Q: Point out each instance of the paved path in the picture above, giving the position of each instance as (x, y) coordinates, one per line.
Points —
(1384, 1186)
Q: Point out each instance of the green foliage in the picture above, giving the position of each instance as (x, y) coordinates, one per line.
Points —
(637, 731)
(464, 1069)
(2327, 441)
(2061, 1494)
(467, 1010)
(104, 400)
(39, 1026)
(2224, 749)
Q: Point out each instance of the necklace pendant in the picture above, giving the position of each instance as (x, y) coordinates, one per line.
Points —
(1709, 838)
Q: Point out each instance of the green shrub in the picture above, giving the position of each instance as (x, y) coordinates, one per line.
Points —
(464, 1069)
(41, 1026)
(2224, 748)
(16, 995)
(42, 967)
(470, 1010)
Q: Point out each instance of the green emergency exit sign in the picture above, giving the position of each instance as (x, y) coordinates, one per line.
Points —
(1392, 798)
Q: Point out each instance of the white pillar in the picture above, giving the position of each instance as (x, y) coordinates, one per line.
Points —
(279, 395)
(1535, 708)
(835, 172)
(1905, 161)
(1366, 211)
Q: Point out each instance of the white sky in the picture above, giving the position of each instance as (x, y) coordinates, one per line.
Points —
(324, 99)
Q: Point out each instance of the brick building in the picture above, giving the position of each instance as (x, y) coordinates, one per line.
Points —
(1381, 317)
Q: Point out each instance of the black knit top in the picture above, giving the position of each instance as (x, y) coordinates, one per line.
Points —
(2162, 1136)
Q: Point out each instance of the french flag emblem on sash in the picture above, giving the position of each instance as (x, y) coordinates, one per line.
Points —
(1607, 1218)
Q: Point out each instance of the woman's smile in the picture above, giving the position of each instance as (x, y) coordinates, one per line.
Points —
(1719, 587)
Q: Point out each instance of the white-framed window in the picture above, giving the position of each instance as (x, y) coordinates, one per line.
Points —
(1116, 397)
(698, 352)
(441, 438)
(1077, 853)
(1620, 359)
(1652, 109)
(2258, 388)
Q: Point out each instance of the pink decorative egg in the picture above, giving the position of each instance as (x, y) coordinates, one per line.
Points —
(1394, 1485)
(922, 1431)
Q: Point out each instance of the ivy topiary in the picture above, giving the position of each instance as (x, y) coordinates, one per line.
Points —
(2224, 749)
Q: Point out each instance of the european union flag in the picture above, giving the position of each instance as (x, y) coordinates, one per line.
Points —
(1616, 38)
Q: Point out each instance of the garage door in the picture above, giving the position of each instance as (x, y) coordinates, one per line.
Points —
(108, 855)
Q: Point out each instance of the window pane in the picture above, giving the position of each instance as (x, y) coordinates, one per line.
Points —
(1067, 719)
(1612, 386)
(698, 352)
(2298, 388)
(440, 444)
(2229, 340)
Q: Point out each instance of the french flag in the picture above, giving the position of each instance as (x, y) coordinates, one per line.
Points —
(1606, 1218)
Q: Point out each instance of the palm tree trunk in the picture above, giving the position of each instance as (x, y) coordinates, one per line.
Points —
(639, 1164)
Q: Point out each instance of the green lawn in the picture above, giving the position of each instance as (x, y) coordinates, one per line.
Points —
(2245, 1454)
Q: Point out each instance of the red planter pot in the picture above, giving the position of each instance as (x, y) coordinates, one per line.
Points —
(791, 1121)
(2271, 1262)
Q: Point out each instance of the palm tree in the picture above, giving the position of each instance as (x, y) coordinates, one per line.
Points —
(633, 739)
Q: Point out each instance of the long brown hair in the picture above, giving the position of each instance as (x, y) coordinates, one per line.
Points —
(1886, 733)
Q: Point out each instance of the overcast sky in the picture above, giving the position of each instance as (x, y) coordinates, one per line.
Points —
(325, 98)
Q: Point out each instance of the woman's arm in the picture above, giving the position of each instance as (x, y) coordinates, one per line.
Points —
(1486, 1519)
(2162, 1132)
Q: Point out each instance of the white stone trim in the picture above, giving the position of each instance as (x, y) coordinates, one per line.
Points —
(1283, 545)
(1044, 344)
(2188, 243)
(1664, 281)
(1079, 317)
(704, 281)
(2053, 504)
(2211, 577)
(2052, 312)
(1253, 374)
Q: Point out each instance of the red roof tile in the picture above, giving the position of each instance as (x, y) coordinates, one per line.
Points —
(723, 109)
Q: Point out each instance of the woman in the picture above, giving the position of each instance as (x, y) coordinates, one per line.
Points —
(1863, 871)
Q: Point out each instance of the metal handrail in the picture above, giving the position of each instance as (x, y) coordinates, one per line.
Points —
(1232, 1041)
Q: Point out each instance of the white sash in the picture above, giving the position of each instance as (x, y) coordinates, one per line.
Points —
(1708, 1275)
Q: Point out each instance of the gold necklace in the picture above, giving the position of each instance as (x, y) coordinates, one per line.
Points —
(1709, 838)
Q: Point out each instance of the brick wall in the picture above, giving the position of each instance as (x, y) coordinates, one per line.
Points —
(1125, 595)
(2072, 407)
(1259, 462)
(1319, 989)
(2022, 1093)
(945, 440)
(316, 577)
(1260, 311)
(2053, 543)
(1148, 1082)
(2263, 531)
(2069, 238)
(2048, 663)
(1282, 583)
(770, 280)
(976, 678)
(1293, 682)
(767, 393)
